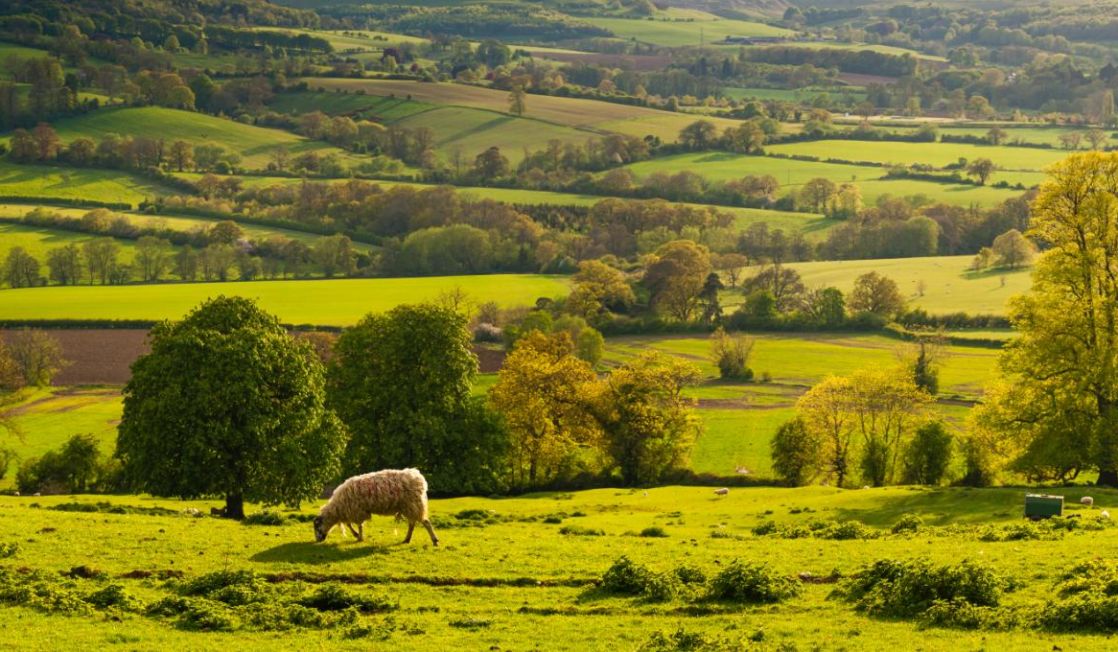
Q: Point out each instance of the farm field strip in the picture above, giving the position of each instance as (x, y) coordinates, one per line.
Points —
(37, 181)
(338, 302)
(791, 173)
(571, 112)
(254, 144)
(934, 154)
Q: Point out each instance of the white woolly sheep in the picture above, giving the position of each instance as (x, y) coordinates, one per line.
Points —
(1104, 515)
(1087, 500)
(400, 493)
(721, 492)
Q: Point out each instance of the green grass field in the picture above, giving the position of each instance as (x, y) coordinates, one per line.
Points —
(517, 582)
(948, 285)
(685, 32)
(13, 212)
(76, 183)
(37, 241)
(338, 302)
(935, 154)
(253, 143)
(720, 166)
(381, 108)
(472, 131)
(571, 112)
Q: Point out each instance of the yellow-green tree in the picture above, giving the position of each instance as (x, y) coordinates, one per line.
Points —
(869, 416)
(675, 277)
(598, 289)
(648, 425)
(1056, 410)
(544, 392)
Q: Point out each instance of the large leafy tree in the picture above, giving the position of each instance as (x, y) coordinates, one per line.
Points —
(675, 277)
(228, 404)
(1055, 413)
(401, 382)
(544, 393)
(648, 425)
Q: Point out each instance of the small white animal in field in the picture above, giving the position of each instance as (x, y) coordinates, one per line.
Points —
(741, 470)
(722, 492)
(1104, 514)
(1087, 500)
(400, 493)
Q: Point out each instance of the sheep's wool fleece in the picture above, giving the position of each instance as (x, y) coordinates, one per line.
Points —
(387, 493)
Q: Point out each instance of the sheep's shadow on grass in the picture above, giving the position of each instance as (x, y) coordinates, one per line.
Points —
(307, 552)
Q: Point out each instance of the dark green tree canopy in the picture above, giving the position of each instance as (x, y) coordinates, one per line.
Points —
(228, 404)
(401, 382)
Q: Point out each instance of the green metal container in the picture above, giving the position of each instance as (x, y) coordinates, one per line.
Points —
(1038, 506)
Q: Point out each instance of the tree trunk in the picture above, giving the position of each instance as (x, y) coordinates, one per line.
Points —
(234, 506)
(1108, 478)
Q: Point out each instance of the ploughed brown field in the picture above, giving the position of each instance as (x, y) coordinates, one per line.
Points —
(104, 356)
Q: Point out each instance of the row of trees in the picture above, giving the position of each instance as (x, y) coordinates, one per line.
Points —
(283, 423)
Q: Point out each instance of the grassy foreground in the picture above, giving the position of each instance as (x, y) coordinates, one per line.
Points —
(512, 574)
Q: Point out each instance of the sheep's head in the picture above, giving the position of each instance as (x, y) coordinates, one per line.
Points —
(320, 529)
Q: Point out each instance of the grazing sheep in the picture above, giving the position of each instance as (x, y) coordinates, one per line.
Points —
(721, 492)
(1087, 500)
(399, 493)
(1104, 515)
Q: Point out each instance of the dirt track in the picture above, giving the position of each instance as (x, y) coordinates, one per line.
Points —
(105, 356)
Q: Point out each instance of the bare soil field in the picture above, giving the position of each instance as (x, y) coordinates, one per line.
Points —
(104, 356)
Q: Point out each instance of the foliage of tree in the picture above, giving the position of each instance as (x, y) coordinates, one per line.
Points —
(675, 277)
(21, 269)
(1056, 412)
(228, 404)
(795, 453)
(730, 354)
(401, 383)
(36, 354)
(648, 425)
(1013, 249)
(877, 294)
(867, 417)
(543, 392)
(928, 457)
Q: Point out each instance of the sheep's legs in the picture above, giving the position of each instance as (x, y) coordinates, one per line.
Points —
(358, 534)
(411, 528)
(431, 531)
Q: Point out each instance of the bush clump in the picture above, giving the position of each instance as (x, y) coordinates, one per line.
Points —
(654, 531)
(908, 589)
(9, 549)
(1089, 599)
(626, 577)
(908, 523)
(264, 518)
(754, 583)
(334, 597)
(579, 531)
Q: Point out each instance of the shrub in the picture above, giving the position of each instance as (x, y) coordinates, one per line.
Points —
(113, 595)
(624, 577)
(690, 575)
(755, 583)
(908, 523)
(847, 530)
(577, 530)
(654, 531)
(9, 549)
(76, 467)
(795, 453)
(264, 518)
(905, 589)
(731, 355)
(333, 597)
(928, 455)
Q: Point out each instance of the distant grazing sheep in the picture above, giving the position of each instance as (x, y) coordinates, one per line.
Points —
(1104, 514)
(399, 493)
(1087, 500)
(721, 492)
